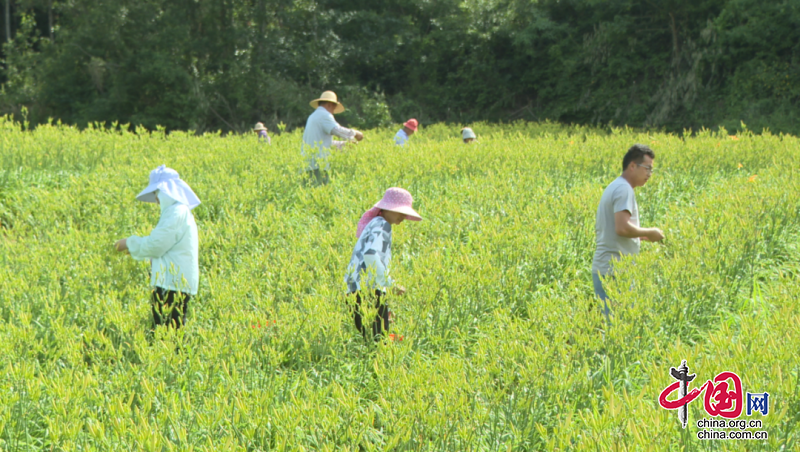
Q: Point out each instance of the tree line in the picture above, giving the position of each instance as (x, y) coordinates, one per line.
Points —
(209, 65)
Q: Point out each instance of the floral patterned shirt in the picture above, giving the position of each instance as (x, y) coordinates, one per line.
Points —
(371, 257)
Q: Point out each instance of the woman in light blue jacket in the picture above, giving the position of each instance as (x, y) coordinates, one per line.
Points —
(172, 246)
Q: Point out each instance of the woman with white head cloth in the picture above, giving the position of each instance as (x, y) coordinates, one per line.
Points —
(171, 246)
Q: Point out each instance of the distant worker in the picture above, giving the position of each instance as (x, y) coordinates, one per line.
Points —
(318, 135)
(171, 248)
(617, 224)
(468, 135)
(262, 133)
(405, 133)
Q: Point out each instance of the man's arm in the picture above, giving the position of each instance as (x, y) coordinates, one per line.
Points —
(624, 228)
(347, 134)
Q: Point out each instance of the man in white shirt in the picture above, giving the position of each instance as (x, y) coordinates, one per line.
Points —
(402, 136)
(617, 223)
(318, 135)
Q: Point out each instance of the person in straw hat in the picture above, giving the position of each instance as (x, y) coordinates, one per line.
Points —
(319, 132)
(368, 272)
(468, 135)
(171, 247)
(402, 136)
(262, 133)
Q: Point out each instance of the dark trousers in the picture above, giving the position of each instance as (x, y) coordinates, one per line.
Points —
(169, 307)
(381, 322)
(318, 177)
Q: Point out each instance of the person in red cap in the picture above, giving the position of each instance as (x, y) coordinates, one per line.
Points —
(403, 134)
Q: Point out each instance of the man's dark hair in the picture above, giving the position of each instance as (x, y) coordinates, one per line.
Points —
(636, 154)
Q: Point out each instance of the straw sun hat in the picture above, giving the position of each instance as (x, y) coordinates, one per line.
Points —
(328, 96)
(259, 126)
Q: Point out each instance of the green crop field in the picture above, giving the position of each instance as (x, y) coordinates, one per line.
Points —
(503, 345)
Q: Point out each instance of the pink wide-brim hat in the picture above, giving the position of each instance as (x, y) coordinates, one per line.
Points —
(395, 199)
(412, 124)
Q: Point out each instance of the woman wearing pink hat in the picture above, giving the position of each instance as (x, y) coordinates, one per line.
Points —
(372, 254)
(405, 133)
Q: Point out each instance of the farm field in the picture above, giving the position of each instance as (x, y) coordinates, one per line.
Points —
(503, 344)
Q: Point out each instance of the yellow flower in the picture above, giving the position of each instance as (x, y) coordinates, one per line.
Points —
(752, 178)
(740, 165)
(734, 138)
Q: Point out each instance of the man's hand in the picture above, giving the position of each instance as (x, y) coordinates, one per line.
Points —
(122, 246)
(654, 235)
(359, 136)
(399, 290)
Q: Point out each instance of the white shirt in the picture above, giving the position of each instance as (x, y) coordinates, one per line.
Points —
(401, 138)
(319, 131)
(173, 248)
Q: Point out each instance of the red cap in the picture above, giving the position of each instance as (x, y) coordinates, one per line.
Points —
(412, 124)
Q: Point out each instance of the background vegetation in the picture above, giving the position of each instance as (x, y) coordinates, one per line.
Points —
(208, 65)
(502, 345)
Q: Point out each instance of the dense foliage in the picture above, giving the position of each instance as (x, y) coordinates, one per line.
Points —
(225, 64)
(502, 346)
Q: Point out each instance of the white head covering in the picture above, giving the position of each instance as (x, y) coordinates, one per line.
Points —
(166, 180)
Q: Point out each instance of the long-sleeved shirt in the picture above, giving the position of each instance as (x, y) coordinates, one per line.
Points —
(263, 136)
(371, 257)
(173, 248)
(318, 138)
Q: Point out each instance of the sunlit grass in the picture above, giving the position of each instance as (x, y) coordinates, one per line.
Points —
(502, 349)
